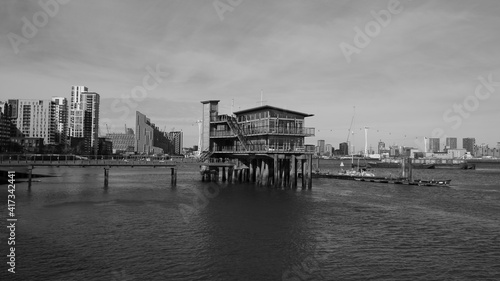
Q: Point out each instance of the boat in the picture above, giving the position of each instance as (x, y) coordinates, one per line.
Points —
(462, 166)
(386, 180)
(365, 176)
(432, 163)
(396, 164)
(385, 165)
(423, 166)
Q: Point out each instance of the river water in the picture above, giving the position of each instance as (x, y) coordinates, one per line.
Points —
(71, 228)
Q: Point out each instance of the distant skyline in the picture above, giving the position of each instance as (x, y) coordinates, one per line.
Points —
(416, 68)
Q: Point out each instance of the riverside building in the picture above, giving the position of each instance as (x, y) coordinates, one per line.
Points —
(60, 119)
(33, 119)
(267, 139)
(84, 118)
(148, 138)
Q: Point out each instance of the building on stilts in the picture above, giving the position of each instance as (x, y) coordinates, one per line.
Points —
(264, 145)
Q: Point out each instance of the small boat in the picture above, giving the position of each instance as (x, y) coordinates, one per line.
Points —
(423, 166)
(384, 165)
(397, 165)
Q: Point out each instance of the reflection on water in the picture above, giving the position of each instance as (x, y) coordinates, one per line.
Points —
(71, 228)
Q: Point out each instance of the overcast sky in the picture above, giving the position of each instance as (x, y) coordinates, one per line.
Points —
(416, 76)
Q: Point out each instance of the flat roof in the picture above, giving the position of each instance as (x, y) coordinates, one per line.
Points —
(272, 107)
(209, 101)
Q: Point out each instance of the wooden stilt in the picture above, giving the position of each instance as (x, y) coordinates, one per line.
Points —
(309, 184)
(233, 175)
(265, 174)
(30, 172)
(276, 170)
(257, 175)
(283, 174)
(293, 172)
(173, 177)
(252, 171)
(304, 176)
(106, 177)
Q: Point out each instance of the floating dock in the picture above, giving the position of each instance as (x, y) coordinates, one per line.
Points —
(387, 180)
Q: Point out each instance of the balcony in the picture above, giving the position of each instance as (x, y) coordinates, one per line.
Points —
(222, 134)
(302, 149)
(305, 132)
(219, 118)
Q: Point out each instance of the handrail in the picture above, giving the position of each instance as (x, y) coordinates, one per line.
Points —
(307, 132)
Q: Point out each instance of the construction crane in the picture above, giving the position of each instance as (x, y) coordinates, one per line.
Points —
(350, 128)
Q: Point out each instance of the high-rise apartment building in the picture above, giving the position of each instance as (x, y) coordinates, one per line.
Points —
(60, 119)
(33, 119)
(148, 138)
(344, 148)
(451, 143)
(176, 141)
(381, 147)
(5, 127)
(468, 144)
(328, 150)
(84, 117)
(321, 147)
(434, 145)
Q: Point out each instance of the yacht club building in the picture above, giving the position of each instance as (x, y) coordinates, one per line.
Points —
(264, 137)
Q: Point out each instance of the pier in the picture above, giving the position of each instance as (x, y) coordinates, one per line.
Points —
(104, 161)
(263, 145)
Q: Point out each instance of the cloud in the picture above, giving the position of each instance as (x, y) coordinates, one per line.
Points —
(424, 61)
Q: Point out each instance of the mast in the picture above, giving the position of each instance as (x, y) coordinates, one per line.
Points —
(351, 131)
(366, 141)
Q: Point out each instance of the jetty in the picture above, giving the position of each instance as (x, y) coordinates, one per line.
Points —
(264, 145)
(30, 162)
(406, 177)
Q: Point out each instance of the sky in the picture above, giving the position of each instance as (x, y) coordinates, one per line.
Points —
(404, 69)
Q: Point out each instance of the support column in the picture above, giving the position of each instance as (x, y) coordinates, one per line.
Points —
(258, 175)
(287, 173)
(410, 170)
(223, 174)
(30, 171)
(275, 168)
(283, 174)
(309, 184)
(293, 172)
(230, 174)
(280, 176)
(304, 176)
(173, 177)
(106, 177)
(265, 173)
(253, 171)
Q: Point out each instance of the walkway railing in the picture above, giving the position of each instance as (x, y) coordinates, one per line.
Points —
(84, 160)
(264, 149)
(306, 132)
